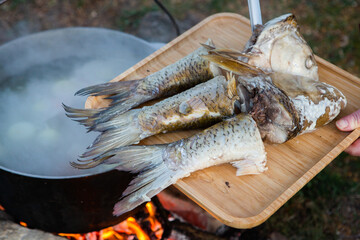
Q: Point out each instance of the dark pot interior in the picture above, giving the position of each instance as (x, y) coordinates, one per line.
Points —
(67, 205)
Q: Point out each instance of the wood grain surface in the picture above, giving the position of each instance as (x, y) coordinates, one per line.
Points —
(247, 201)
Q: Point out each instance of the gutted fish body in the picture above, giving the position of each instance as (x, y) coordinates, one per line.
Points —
(236, 140)
(183, 74)
(200, 106)
(273, 111)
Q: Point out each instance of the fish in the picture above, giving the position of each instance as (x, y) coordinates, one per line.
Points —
(278, 47)
(197, 107)
(181, 75)
(235, 140)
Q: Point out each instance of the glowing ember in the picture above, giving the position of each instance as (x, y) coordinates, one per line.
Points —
(72, 236)
(23, 224)
(1, 208)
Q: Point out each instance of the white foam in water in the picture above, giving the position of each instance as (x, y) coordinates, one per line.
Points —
(35, 135)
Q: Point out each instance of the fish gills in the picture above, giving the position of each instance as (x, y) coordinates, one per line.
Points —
(236, 140)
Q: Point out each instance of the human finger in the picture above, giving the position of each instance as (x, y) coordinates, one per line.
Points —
(354, 148)
(349, 122)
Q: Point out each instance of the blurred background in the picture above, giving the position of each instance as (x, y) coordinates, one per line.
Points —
(326, 208)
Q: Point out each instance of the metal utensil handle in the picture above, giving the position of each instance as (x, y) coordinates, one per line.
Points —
(255, 13)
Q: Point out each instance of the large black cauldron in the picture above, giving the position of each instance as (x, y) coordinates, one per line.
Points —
(80, 201)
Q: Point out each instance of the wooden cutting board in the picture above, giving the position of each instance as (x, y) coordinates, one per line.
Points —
(247, 201)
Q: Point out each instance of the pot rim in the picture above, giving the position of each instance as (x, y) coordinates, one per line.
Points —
(55, 177)
(38, 34)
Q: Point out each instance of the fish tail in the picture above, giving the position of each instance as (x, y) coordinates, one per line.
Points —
(153, 173)
(119, 131)
(124, 95)
(110, 88)
(86, 117)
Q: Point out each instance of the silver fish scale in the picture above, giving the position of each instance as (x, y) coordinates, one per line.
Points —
(212, 103)
(185, 73)
(237, 138)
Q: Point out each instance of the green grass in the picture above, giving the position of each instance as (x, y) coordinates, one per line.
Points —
(317, 211)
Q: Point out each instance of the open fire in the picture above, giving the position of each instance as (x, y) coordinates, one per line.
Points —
(145, 228)
(166, 217)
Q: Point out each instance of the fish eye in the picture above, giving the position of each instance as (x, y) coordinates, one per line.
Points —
(309, 62)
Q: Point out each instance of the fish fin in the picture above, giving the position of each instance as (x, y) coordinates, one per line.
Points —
(247, 166)
(124, 96)
(153, 174)
(230, 53)
(109, 88)
(231, 87)
(233, 65)
(208, 45)
(193, 103)
(122, 130)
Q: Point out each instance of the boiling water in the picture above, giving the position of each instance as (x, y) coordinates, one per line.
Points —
(37, 77)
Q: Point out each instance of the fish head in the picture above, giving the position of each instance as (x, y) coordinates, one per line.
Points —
(280, 47)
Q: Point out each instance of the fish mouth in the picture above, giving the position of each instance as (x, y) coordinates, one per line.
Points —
(291, 20)
(286, 19)
(270, 31)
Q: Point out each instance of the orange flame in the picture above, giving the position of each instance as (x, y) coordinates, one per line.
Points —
(134, 226)
(154, 223)
(2, 208)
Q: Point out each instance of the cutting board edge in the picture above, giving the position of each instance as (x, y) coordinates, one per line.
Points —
(253, 221)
